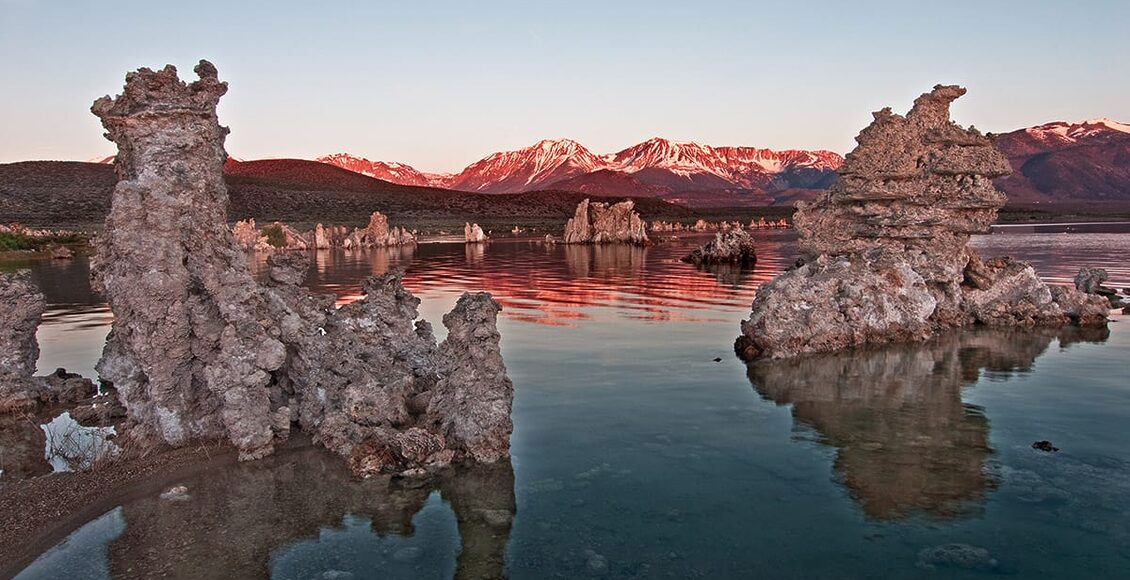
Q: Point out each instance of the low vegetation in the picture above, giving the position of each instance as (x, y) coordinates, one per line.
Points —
(11, 242)
(275, 235)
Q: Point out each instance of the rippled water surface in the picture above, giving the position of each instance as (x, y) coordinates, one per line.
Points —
(637, 455)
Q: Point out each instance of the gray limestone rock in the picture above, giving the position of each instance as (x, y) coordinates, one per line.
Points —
(886, 246)
(199, 350)
(189, 352)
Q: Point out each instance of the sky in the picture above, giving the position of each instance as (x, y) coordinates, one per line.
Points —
(439, 84)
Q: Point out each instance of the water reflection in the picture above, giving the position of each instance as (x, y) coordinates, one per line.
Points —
(300, 514)
(250, 520)
(906, 443)
(557, 284)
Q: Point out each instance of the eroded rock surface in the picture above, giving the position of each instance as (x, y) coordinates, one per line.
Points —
(884, 250)
(731, 246)
(368, 380)
(199, 350)
(189, 352)
(601, 223)
(21, 308)
(1090, 281)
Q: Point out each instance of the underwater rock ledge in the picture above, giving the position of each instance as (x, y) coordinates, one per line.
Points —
(884, 254)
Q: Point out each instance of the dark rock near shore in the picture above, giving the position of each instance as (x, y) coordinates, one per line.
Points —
(1045, 446)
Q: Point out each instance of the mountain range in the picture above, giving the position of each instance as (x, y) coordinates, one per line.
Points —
(680, 172)
(1064, 162)
(1054, 162)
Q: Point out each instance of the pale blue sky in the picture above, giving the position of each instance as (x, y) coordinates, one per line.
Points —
(440, 84)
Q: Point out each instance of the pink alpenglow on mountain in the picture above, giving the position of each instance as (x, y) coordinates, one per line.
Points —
(390, 171)
(683, 172)
(1063, 162)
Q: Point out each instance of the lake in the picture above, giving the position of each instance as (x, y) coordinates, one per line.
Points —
(637, 455)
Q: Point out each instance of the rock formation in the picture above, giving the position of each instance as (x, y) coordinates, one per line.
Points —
(21, 308)
(378, 234)
(280, 236)
(248, 236)
(371, 384)
(601, 223)
(731, 246)
(473, 234)
(321, 238)
(1090, 281)
(884, 254)
(199, 350)
(189, 352)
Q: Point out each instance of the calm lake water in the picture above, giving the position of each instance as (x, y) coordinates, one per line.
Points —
(636, 455)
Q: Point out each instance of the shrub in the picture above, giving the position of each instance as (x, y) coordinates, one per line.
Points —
(275, 235)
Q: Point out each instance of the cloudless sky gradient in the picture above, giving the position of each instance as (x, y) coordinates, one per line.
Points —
(438, 85)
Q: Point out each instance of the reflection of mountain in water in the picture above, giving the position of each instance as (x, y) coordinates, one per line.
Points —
(237, 520)
(906, 442)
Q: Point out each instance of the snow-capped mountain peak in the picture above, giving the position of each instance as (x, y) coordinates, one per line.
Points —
(657, 164)
(1063, 131)
(385, 170)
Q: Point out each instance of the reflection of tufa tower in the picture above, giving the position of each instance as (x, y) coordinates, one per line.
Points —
(238, 518)
(906, 442)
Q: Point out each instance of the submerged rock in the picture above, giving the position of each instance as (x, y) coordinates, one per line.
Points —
(601, 223)
(732, 246)
(21, 308)
(199, 350)
(884, 250)
(961, 556)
